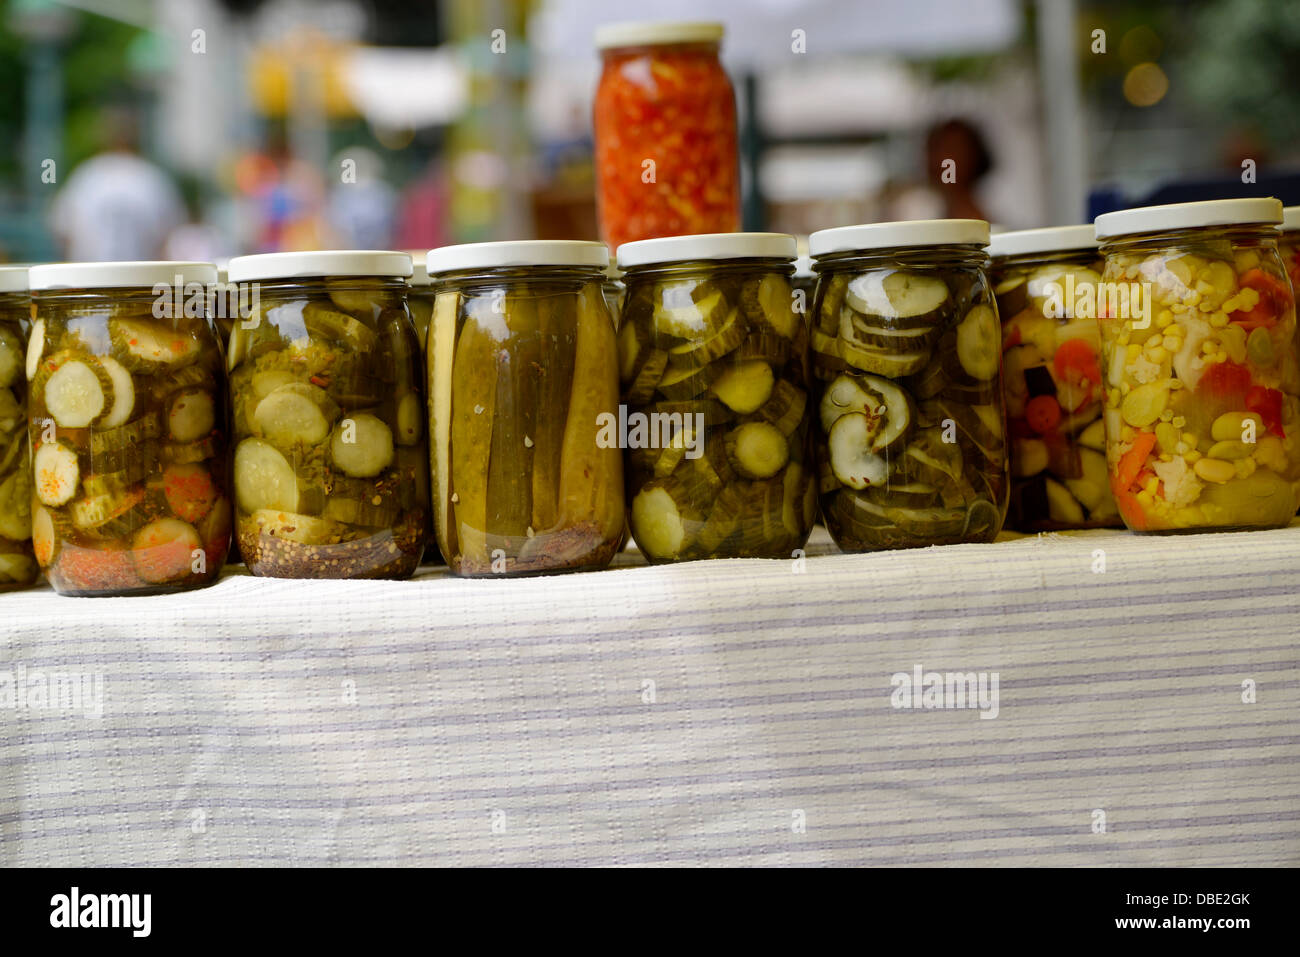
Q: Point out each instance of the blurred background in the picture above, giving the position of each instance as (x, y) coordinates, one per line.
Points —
(201, 129)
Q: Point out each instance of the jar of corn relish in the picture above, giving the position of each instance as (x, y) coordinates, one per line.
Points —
(665, 119)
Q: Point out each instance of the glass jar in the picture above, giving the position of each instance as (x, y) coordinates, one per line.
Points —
(1199, 352)
(713, 358)
(328, 417)
(665, 122)
(1288, 244)
(1045, 281)
(17, 564)
(527, 471)
(614, 289)
(907, 357)
(127, 419)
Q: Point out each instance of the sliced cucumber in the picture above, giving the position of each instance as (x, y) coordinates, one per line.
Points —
(264, 383)
(57, 473)
(12, 357)
(724, 517)
(896, 295)
(647, 377)
(163, 550)
(97, 511)
(979, 343)
(147, 348)
(123, 394)
(688, 309)
(192, 415)
(35, 346)
(661, 526)
(785, 408)
(293, 527)
(893, 365)
(757, 450)
(686, 383)
(78, 392)
(325, 323)
(887, 407)
(16, 506)
(189, 491)
(352, 511)
(852, 460)
(831, 288)
(930, 459)
(122, 439)
(770, 300)
(705, 350)
(906, 494)
(858, 330)
(362, 445)
(632, 340)
(745, 386)
(264, 479)
(295, 414)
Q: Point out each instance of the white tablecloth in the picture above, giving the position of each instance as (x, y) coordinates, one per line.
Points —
(717, 712)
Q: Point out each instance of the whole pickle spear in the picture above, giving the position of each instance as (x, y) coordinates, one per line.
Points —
(474, 389)
(556, 333)
(441, 349)
(591, 478)
(510, 480)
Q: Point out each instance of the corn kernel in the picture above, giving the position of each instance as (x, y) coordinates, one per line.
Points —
(1218, 319)
(1192, 456)
(1179, 421)
(1178, 309)
(1134, 353)
(1208, 348)
(1164, 318)
(1192, 298)
(1157, 354)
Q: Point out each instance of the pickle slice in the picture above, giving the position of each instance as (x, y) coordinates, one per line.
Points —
(124, 437)
(745, 386)
(100, 512)
(852, 460)
(510, 483)
(892, 365)
(294, 527)
(785, 408)
(833, 289)
(770, 300)
(362, 513)
(897, 294)
(439, 354)
(57, 473)
(164, 549)
(857, 330)
(192, 415)
(556, 332)
(724, 519)
(362, 445)
(647, 377)
(12, 358)
(123, 388)
(148, 348)
(264, 479)
(757, 450)
(473, 401)
(293, 414)
(16, 506)
(979, 343)
(680, 384)
(701, 352)
(190, 452)
(78, 391)
(35, 346)
(690, 310)
(322, 322)
(662, 525)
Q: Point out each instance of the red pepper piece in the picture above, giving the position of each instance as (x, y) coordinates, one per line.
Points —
(1267, 404)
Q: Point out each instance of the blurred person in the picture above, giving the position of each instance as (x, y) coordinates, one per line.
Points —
(422, 220)
(116, 205)
(962, 142)
(362, 208)
(196, 239)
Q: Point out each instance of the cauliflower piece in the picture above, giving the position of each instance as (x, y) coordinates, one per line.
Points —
(1182, 487)
(1143, 370)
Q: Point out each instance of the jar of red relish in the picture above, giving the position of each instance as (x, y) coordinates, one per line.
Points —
(665, 118)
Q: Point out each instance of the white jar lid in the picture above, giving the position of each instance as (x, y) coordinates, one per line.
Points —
(119, 275)
(1291, 219)
(13, 278)
(320, 264)
(523, 252)
(1216, 212)
(644, 33)
(676, 249)
(1022, 242)
(916, 232)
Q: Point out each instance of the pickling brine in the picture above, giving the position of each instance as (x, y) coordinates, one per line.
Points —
(127, 421)
(328, 406)
(1201, 371)
(523, 385)
(18, 566)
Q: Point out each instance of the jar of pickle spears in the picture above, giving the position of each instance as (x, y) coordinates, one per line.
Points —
(328, 417)
(127, 419)
(523, 410)
(17, 564)
(713, 358)
(665, 123)
(1288, 244)
(906, 351)
(1198, 332)
(1045, 281)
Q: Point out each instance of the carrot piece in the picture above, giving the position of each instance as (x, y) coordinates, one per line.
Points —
(1131, 462)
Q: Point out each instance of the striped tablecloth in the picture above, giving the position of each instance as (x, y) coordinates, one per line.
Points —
(742, 712)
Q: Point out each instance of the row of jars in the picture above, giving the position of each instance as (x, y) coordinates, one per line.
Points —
(726, 411)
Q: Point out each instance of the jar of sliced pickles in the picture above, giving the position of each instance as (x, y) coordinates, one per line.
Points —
(1045, 281)
(526, 461)
(665, 125)
(328, 400)
(713, 359)
(127, 420)
(906, 351)
(17, 564)
(1288, 245)
(1202, 382)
